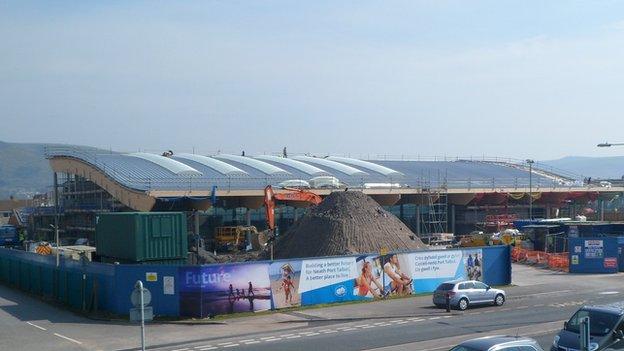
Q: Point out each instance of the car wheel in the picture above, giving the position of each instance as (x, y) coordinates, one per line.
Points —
(499, 300)
(463, 304)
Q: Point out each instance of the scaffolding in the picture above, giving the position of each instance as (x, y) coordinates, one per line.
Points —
(435, 218)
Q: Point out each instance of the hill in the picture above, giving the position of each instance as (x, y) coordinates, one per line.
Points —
(24, 170)
(595, 167)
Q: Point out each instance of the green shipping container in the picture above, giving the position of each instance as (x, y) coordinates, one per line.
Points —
(141, 236)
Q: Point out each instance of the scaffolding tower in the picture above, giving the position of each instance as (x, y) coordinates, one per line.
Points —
(435, 218)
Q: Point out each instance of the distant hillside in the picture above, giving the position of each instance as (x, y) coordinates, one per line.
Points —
(23, 170)
(595, 167)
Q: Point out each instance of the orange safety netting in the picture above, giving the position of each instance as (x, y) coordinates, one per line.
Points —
(557, 261)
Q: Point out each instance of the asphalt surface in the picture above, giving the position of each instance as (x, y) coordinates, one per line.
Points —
(536, 307)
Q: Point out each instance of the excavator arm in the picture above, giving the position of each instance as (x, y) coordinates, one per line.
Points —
(297, 195)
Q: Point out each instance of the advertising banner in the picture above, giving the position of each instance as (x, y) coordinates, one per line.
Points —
(327, 280)
(426, 270)
(221, 289)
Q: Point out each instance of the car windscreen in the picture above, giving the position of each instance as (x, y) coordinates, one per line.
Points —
(600, 323)
(464, 348)
(445, 286)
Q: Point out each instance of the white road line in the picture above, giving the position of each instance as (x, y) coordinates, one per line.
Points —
(36, 326)
(349, 329)
(544, 293)
(293, 337)
(368, 326)
(251, 342)
(272, 339)
(326, 330)
(202, 346)
(230, 345)
(335, 331)
(415, 319)
(361, 326)
(67, 338)
(312, 334)
(402, 322)
(285, 335)
(225, 343)
(246, 340)
(184, 349)
(434, 318)
(208, 348)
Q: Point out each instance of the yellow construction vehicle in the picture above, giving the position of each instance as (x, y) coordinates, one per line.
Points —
(236, 238)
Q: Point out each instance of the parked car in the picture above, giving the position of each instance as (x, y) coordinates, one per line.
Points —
(468, 292)
(499, 343)
(606, 325)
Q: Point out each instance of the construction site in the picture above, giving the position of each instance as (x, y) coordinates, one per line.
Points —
(240, 208)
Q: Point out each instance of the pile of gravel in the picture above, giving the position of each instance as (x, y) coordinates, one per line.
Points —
(346, 223)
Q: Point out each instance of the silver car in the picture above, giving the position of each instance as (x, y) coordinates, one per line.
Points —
(465, 293)
(499, 343)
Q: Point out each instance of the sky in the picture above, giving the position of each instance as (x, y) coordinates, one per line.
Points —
(522, 79)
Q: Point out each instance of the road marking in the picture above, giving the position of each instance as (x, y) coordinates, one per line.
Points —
(361, 326)
(334, 331)
(184, 349)
(521, 307)
(402, 322)
(246, 340)
(293, 337)
(68, 338)
(416, 319)
(230, 345)
(434, 318)
(347, 329)
(368, 326)
(225, 343)
(273, 339)
(312, 334)
(609, 293)
(202, 346)
(251, 342)
(36, 326)
(325, 330)
(544, 293)
(208, 348)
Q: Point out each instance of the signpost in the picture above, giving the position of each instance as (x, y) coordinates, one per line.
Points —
(140, 298)
(585, 336)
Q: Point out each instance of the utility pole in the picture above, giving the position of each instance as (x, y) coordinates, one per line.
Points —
(530, 163)
(56, 219)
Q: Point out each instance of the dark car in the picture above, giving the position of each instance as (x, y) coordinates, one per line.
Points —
(499, 343)
(606, 325)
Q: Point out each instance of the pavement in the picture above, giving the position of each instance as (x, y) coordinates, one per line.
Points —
(538, 303)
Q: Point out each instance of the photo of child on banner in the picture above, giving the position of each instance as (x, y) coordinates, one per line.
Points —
(285, 278)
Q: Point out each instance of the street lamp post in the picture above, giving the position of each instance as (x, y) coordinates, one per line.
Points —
(530, 163)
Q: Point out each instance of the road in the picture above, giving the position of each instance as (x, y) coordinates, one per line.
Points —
(537, 305)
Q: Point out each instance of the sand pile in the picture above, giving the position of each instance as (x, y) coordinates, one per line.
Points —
(346, 223)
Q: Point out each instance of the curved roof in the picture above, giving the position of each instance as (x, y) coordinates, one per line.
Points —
(171, 165)
(219, 166)
(348, 170)
(298, 165)
(366, 165)
(141, 173)
(263, 167)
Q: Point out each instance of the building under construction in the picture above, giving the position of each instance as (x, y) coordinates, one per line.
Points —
(430, 196)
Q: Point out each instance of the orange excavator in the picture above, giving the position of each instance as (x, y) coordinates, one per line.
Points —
(294, 195)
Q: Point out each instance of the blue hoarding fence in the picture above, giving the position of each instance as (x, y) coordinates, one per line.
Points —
(201, 291)
(594, 255)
